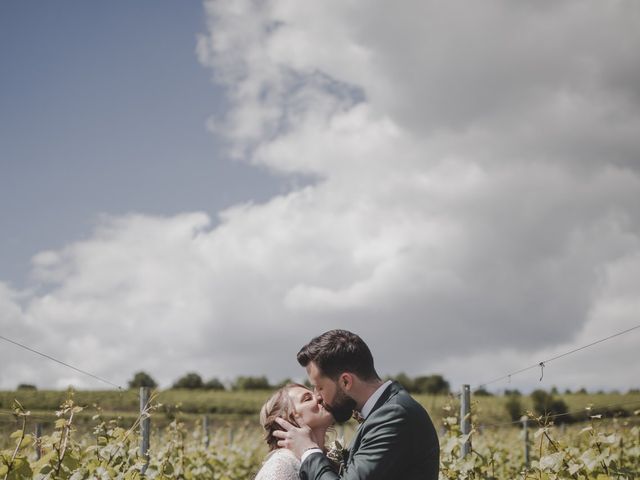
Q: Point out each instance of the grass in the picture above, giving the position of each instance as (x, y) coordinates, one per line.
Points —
(188, 401)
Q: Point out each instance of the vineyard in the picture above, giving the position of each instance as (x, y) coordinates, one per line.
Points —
(603, 448)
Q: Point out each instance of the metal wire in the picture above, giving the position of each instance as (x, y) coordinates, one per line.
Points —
(84, 372)
(541, 365)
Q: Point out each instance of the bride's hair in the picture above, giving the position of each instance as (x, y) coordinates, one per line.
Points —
(280, 405)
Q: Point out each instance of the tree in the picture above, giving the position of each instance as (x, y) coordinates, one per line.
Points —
(26, 386)
(482, 392)
(284, 382)
(433, 384)
(544, 404)
(191, 381)
(214, 384)
(404, 380)
(514, 407)
(251, 383)
(142, 379)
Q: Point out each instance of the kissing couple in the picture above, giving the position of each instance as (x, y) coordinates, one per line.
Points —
(396, 438)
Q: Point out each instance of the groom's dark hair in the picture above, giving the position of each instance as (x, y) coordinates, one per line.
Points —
(338, 351)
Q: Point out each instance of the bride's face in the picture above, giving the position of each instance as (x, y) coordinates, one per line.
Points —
(309, 410)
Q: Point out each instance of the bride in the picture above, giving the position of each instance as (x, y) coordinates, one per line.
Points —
(298, 405)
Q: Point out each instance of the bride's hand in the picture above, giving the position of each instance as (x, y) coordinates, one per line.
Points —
(296, 439)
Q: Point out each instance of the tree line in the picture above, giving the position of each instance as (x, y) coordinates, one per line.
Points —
(193, 381)
(431, 384)
(422, 384)
(550, 405)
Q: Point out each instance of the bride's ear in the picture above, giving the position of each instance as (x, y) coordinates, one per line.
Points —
(296, 417)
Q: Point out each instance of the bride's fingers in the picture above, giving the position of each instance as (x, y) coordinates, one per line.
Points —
(284, 424)
(283, 436)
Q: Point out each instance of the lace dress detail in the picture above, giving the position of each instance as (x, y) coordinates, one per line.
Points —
(281, 464)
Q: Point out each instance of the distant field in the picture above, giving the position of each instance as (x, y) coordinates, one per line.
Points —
(188, 401)
(491, 409)
(245, 405)
(189, 405)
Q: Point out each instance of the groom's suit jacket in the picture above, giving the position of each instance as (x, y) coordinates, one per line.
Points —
(396, 441)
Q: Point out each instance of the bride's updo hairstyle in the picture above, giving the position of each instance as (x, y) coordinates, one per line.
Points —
(279, 405)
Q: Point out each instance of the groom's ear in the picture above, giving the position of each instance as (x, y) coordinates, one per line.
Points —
(346, 381)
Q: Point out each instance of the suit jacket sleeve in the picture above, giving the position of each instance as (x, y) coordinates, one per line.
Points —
(383, 447)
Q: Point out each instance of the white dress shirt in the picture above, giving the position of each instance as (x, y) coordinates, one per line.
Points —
(369, 404)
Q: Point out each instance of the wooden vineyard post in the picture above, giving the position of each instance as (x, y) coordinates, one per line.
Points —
(38, 441)
(525, 434)
(465, 418)
(145, 426)
(205, 431)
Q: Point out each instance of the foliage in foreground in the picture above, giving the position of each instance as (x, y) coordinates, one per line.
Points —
(598, 451)
(113, 452)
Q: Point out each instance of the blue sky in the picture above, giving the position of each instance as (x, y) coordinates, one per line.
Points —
(104, 108)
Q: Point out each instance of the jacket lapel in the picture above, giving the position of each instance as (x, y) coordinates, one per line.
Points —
(391, 390)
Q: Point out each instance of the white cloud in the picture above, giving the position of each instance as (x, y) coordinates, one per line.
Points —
(475, 208)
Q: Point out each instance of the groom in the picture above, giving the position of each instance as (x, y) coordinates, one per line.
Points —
(397, 438)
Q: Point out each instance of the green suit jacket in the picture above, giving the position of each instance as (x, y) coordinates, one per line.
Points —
(396, 441)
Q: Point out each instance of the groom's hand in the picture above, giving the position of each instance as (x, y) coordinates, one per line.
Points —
(295, 439)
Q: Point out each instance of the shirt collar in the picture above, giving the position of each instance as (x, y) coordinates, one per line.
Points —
(370, 403)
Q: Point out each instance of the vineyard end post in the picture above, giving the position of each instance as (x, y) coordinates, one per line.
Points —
(465, 418)
(205, 430)
(38, 441)
(525, 430)
(145, 425)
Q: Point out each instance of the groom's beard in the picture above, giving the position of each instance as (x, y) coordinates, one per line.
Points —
(342, 407)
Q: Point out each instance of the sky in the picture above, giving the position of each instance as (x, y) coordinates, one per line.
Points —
(206, 187)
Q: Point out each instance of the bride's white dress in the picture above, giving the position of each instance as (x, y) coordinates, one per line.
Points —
(281, 464)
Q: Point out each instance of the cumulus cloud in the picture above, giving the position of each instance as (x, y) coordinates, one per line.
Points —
(484, 159)
(473, 209)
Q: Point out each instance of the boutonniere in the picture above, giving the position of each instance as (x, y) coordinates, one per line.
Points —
(337, 454)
